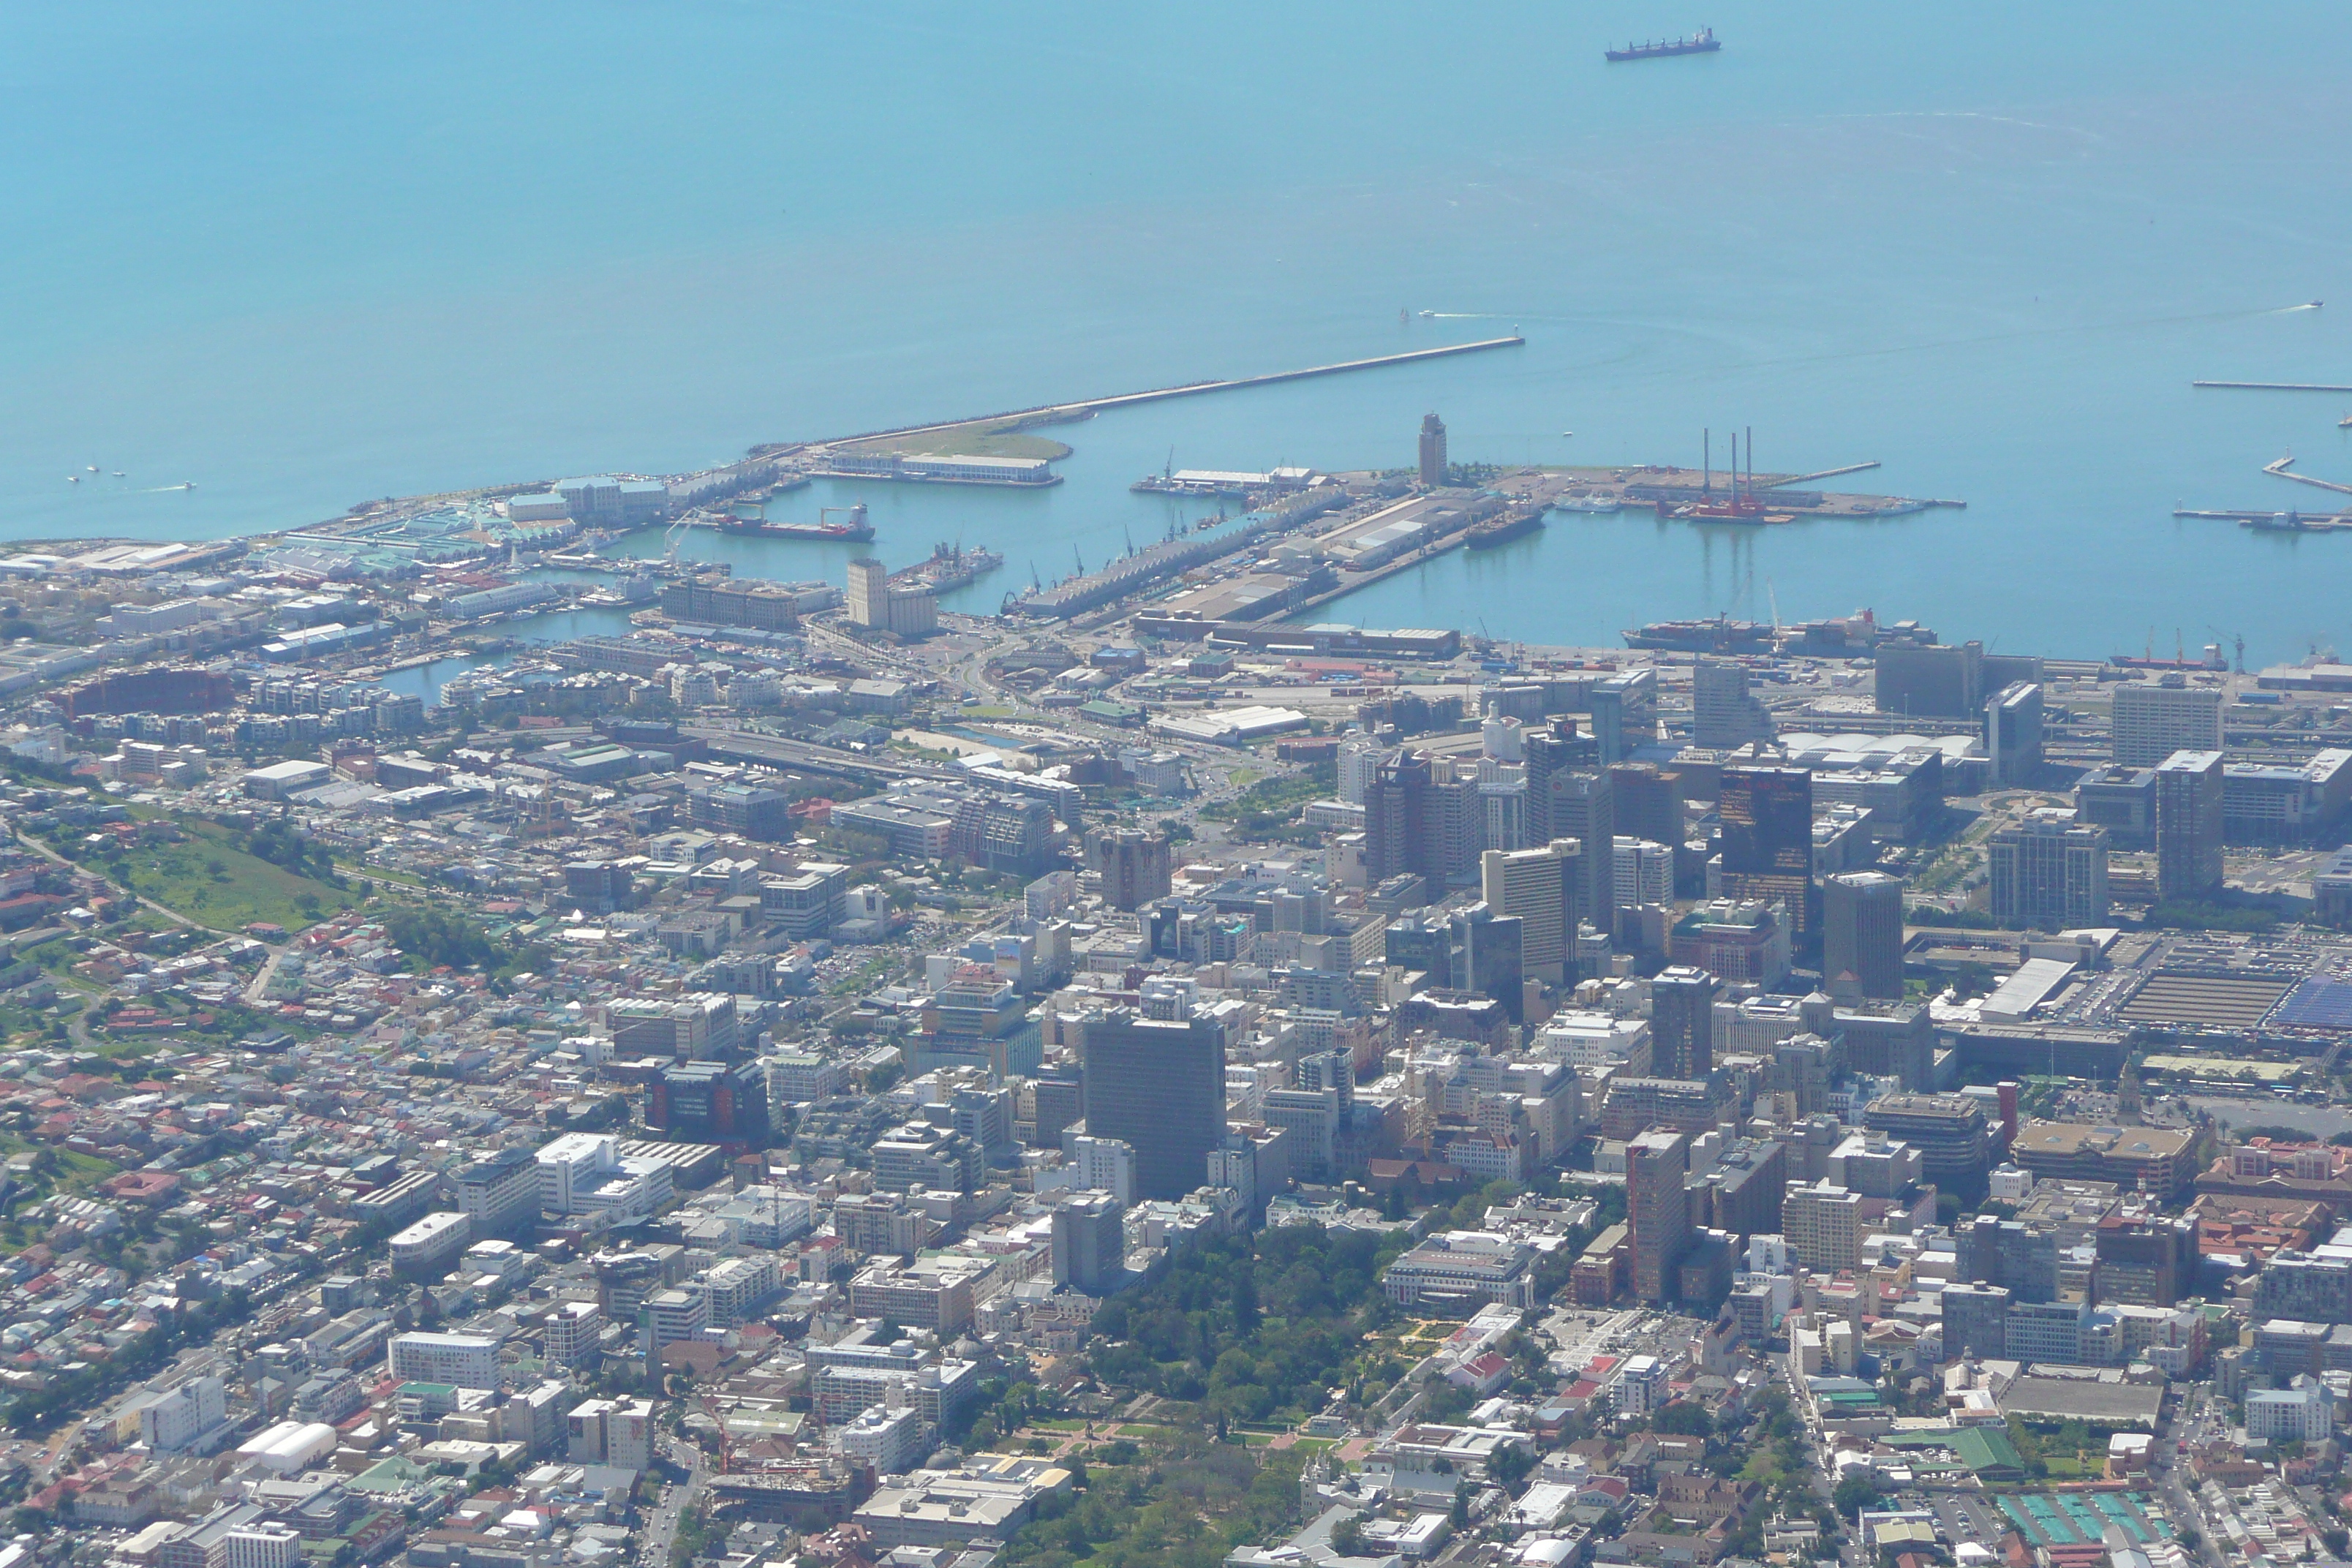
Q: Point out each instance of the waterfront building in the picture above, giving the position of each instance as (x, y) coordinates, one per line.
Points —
(1432, 450)
(2189, 826)
(877, 605)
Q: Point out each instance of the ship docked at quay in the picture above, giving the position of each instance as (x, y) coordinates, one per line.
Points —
(1858, 636)
(1703, 42)
(950, 566)
(858, 530)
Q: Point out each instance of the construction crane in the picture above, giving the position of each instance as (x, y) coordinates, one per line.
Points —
(670, 541)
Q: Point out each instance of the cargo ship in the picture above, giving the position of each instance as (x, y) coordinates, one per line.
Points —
(1721, 635)
(1852, 636)
(856, 530)
(1702, 42)
(1504, 529)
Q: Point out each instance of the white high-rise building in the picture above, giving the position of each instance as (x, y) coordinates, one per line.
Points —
(1823, 1225)
(185, 1416)
(1102, 1165)
(262, 1546)
(1644, 872)
(571, 1168)
(2153, 721)
(1359, 758)
(462, 1360)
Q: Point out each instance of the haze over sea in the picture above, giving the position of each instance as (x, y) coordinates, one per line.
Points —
(304, 255)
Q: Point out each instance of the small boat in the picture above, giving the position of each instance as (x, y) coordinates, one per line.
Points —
(117, 473)
(92, 470)
(73, 478)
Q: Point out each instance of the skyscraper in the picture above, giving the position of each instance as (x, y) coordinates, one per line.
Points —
(1432, 450)
(1767, 840)
(1487, 957)
(1681, 1022)
(1548, 751)
(1133, 865)
(1657, 1209)
(2189, 826)
(2013, 733)
(1624, 713)
(2152, 720)
(1724, 714)
(1647, 802)
(1159, 1086)
(1396, 812)
(1584, 808)
(1862, 932)
(2048, 872)
(1537, 887)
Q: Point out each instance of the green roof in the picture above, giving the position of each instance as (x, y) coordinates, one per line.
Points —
(1987, 1448)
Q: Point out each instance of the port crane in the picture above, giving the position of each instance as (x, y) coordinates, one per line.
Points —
(670, 541)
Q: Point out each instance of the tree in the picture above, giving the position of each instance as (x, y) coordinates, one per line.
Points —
(1348, 1536)
(1458, 1516)
(1857, 1493)
(1683, 1419)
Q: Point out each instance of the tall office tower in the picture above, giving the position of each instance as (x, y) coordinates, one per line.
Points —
(1584, 808)
(1862, 932)
(1657, 1209)
(2152, 720)
(1360, 759)
(1133, 865)
(1456, 818)
(1486, 953)
(1503, 797)
(1932, 680)
(1644, 872)
(1537, 888)
(1396, 818)
(1550, 750)
(1624, 710)
(1681, 1022)
(1647, 801)
(1767, 840)
(869, 593)
(2013, 733)
(1088, 1244)
(2048, 872)
(1158, 1086)
(1724, 714)
(1432, 450)
(2189, 826)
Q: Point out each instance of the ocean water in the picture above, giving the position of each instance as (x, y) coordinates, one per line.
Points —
(301, 255)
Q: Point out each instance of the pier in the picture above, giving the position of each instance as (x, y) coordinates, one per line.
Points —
(2272, 386)
(2283, 470)
(1086, 408)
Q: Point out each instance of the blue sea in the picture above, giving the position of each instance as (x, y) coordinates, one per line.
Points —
(305, 255)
